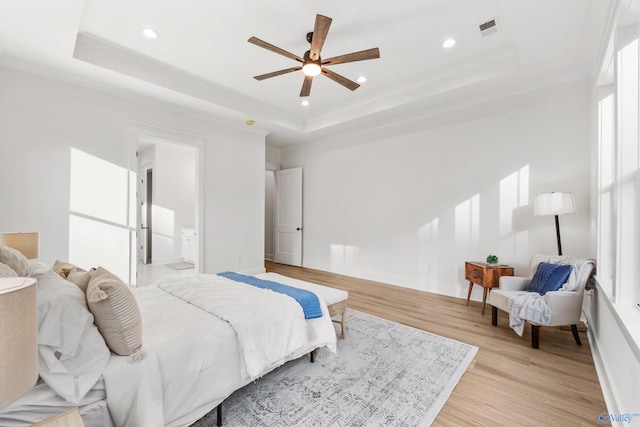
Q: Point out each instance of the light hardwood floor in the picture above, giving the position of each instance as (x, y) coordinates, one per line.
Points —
(508, 383)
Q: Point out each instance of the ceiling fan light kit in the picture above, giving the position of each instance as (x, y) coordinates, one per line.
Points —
(310, 67)
(311, 63)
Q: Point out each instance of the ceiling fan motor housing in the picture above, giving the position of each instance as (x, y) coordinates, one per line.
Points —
(307, 58)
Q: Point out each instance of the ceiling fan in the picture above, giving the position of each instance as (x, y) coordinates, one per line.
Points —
(311, 63)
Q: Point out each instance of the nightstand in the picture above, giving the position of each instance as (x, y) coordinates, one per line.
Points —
(485, 275)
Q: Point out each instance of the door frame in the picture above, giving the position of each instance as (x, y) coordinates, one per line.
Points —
(145, 189)
(144, 132)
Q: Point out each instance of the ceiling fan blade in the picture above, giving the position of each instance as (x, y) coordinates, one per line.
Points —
(320, 31)
(277, 73)
(349, 84)
(306, 86)
(363, 55)
(272, 48)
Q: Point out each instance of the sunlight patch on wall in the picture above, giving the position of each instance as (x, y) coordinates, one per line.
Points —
(99, 232)
(164, 221)
(94, 243)
(514, 194)
(164, 231)
(98, 188)
(343, 256)
(467, 221)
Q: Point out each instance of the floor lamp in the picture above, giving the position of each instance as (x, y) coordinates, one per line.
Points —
(554, 204)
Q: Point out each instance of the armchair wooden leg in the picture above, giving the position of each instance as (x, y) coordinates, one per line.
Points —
(535, 336)
(574, 329)
(494, 316)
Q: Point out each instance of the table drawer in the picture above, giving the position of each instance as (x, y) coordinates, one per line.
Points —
(474, 273)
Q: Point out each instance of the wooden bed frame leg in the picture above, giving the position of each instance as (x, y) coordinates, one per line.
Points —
(219, 414)
(342, 327)
(312, 355)
(494, 315)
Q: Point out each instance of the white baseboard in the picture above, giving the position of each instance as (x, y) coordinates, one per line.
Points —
(458, 291)
(607, 391)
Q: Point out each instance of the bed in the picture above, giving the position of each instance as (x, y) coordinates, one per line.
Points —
(195, 351)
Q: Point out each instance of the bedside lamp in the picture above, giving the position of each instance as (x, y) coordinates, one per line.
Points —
(18, 337)
(18, 324)
(28, 244)
(554, 204)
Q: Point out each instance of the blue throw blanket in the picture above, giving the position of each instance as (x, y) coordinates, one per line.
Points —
(307, 299)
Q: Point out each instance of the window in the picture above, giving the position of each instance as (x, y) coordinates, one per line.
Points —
(606, 214)
(619, 169)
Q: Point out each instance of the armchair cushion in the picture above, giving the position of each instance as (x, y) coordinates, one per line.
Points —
(513, 283)
(548, 277)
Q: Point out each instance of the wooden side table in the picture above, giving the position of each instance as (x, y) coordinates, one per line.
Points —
(485, 275)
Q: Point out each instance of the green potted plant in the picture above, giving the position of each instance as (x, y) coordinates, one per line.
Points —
(492, 259)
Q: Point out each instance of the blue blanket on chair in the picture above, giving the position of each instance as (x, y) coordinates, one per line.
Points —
(307, 299)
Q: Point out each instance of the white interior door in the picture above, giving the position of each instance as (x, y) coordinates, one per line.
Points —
(288, 217)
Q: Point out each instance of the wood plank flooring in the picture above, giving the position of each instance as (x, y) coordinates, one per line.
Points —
(508, 383)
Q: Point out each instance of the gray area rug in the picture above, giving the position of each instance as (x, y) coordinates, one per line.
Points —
(384, 374)
(180, 265)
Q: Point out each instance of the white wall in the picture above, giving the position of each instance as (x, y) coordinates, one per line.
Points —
(41, 119)
(409, 204)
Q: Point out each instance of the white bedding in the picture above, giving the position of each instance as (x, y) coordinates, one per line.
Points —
(193, 360)
(42, 402)
(261, 345)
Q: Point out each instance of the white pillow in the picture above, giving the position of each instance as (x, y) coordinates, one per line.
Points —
(14, 259)
(6, 271)
(36, 267)
(72, 355)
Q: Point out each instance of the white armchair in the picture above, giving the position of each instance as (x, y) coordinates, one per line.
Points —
(565, 305)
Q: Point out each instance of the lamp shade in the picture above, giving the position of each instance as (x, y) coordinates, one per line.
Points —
(18, 337)
(27, 243)
(554, 204)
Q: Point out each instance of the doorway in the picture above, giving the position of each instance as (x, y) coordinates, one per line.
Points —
(168, 205)
(283, 216)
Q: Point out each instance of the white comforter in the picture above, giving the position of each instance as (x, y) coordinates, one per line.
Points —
(252, 313)
(194, 359)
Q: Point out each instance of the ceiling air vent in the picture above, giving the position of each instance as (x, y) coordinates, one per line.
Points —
(488, 28)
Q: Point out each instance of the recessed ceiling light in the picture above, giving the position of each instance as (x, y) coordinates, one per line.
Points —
(449, 43)
(305, 102)
(362, 79)
(150, 33)
(250, 122)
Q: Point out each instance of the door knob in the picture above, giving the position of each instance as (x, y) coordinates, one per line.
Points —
(298, 229)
